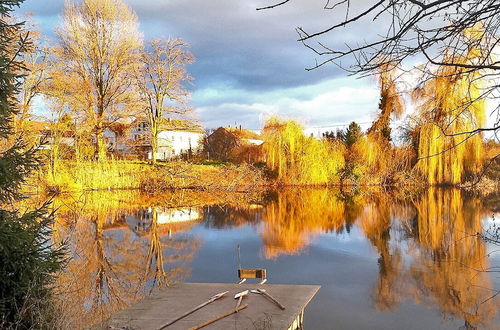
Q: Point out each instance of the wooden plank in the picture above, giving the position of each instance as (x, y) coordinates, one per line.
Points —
(252, 273)
(171, 302)
(220, 317)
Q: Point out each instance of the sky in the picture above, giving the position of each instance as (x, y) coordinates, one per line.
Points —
(249, 65)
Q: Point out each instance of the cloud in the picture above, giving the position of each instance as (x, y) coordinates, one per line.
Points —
(249, 62)
(232, 41)
(339, 105)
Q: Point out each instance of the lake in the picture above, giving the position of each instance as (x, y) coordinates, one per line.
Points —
(384, 259)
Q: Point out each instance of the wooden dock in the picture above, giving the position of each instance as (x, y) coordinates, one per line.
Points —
(261, 313)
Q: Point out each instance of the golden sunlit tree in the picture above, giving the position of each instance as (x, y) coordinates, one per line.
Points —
(373, 158)
(298, 159)
(452, 106)
(161, 83)
(99, 48)
(65, 101)
(391, 104)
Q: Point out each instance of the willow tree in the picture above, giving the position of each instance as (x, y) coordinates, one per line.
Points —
(453, 107)
(297, 159)
(404, 32)
(161, 81)
(99, 47)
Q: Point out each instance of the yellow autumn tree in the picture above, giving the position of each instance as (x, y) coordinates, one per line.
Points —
(298, 159)
(390, 105)
(452, 108)
(161, 81)
(99, 48)
(373, 156)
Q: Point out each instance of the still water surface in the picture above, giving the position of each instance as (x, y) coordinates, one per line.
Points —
(384, 260)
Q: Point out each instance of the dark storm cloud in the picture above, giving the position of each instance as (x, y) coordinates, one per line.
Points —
(232, 41)
(235, 43)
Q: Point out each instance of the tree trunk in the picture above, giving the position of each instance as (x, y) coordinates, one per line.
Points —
(100, 146)
(54, 159)
(154, 143)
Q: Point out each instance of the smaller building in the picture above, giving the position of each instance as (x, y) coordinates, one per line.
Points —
(234, 144)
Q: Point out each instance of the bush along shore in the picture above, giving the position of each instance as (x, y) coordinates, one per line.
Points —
(120, 175)
(229, 177)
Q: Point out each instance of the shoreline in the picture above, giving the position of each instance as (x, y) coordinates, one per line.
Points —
(242, 178)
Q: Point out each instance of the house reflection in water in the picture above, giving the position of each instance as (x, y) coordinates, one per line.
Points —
(169, 219)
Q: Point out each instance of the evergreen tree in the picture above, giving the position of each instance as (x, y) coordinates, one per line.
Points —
(27, 259)
(352, 134)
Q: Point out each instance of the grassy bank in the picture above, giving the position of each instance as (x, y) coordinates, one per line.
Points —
(113, 175)
(136, 175)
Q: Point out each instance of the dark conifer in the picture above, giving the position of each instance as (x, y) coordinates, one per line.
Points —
(27, 259)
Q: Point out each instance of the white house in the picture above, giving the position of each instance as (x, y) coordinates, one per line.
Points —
(176, 142)
(176, 138)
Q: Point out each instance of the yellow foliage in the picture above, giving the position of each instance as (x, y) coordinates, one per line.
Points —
(298, 159)
(451, 105)
(372, 159)
(115, 174)
(97, 56)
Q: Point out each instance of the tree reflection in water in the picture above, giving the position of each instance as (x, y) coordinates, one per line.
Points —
(429, 248)
(126, 245)
(450, 259)
(293, 217)
(114, 263)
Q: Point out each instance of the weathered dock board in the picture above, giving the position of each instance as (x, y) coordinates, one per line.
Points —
(168, 304)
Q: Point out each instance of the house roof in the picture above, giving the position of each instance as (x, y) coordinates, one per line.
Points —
(180, 125)
(242, 133)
